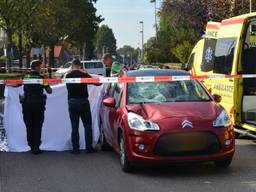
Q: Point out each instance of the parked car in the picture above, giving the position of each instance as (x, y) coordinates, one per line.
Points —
(165, 122)
(93, 67)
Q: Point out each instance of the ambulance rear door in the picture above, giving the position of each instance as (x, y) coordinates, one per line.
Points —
(226, 57)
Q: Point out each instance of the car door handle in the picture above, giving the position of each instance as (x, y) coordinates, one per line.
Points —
(231, 80)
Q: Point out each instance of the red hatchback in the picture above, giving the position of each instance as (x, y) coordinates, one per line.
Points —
(165, 122)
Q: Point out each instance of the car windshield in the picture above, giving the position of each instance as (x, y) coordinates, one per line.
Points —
(66, 65)
(93, 65)
(175, 91)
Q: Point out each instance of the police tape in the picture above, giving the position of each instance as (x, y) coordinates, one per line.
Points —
(103, 80)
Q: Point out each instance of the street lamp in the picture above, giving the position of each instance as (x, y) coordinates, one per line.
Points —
(142, 40)
(156, 26)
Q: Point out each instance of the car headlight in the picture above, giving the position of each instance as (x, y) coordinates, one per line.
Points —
(223, 120)
(138, 123)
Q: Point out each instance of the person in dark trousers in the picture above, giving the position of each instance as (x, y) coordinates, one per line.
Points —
(107, 60)
(33, 106)
(79, 107)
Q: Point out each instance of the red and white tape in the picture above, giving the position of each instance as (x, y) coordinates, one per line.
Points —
(122, 79)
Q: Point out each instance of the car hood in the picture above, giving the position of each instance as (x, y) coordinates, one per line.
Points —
(191, 110)
(63, 70)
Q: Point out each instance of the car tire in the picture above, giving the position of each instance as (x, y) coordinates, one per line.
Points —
(237, 135)
(103, 142)
(124, 161)
(225, 163)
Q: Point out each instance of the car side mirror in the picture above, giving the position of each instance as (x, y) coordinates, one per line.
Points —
(109, 102)
(217, 98)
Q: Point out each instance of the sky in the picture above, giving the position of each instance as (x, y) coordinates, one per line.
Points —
(123, 16)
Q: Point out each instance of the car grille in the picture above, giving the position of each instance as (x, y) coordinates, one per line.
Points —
(187, 144)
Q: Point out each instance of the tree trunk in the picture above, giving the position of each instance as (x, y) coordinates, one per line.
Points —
(51, 56)
(81, 53)
(28, 51)
(20, 51)
(9, 50)
(45, 57)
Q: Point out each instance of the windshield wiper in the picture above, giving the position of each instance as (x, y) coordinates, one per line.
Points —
(145, 102)
(203, 100)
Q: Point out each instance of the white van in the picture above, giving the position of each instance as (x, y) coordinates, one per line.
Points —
(93, 67)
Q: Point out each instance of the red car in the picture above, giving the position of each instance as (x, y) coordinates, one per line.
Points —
(165, 122)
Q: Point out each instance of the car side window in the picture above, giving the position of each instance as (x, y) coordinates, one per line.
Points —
(98, 65)
(88, 65)
(110, 89)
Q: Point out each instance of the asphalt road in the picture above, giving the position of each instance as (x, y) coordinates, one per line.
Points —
(64, 172)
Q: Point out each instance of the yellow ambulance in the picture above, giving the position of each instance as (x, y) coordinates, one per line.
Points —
(229, 47)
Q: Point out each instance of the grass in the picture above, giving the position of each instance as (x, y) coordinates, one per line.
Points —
(10, 75)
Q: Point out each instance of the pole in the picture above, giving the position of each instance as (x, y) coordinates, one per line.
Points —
(142, 41)
(103, 50)
(156, 26)
(156, 21)
(250, 6)
(20, 49)
(250, 12)
(5, 50)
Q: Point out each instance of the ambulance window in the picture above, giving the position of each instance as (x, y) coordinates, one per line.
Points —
(224, 55)
(191, 61)
(208, 55)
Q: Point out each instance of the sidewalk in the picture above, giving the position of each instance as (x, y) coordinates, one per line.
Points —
(3, 138)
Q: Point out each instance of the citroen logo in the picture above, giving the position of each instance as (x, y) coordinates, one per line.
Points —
(187, 124)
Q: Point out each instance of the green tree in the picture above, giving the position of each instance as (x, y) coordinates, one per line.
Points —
(14, 15)
(49, 22)
(182, 22)
(243, 6)
(64, 20)
(84, 26)
(105, 40)
(128, 54)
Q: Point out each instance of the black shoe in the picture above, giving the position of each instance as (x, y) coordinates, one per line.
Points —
(75, 152)
(36, 151)
(91, 150)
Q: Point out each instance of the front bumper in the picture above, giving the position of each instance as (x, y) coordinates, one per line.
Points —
(141, 148)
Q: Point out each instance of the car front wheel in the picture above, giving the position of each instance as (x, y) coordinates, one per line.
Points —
(103, 142)
(124, 161)
(225, 163)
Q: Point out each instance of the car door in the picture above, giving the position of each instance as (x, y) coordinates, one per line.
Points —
(116, 114)
(106, 116)
(112, 115)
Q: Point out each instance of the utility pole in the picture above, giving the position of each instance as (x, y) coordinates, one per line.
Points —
(142, 41)
(156, 25)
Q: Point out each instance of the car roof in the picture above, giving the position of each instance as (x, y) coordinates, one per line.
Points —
(157, 72)
(91, 61)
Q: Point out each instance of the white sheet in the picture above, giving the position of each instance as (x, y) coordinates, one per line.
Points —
(56, 130)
